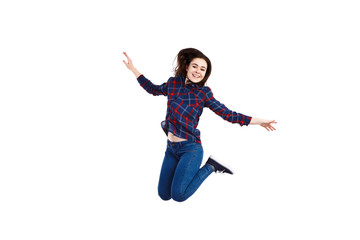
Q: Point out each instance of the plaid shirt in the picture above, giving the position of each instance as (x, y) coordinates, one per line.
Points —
(185, 105)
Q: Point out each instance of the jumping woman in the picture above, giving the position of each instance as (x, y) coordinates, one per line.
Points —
(187, 96)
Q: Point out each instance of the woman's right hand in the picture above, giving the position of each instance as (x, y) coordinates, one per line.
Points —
(130, 66)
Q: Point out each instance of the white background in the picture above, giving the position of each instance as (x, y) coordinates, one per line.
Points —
(81, 142)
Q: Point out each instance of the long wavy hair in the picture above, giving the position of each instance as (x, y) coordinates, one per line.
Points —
(184, 58)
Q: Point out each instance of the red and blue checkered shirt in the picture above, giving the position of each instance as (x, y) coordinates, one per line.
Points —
(185, 105)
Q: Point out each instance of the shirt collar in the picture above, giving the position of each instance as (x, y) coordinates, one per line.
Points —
(190, 84)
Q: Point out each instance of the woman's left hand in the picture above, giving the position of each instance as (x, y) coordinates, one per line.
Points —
(267, 124)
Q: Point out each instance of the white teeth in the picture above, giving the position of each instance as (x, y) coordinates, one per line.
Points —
(196, 75)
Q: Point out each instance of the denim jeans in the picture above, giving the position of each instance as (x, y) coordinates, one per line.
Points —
(181, 174)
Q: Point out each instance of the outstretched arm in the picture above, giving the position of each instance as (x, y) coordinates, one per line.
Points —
(221, 110)
(234, 117)
(151, 88)
(130, 66)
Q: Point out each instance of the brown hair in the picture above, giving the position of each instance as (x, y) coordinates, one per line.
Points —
(184, 58)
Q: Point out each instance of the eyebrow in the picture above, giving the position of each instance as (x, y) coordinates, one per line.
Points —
(198, 65)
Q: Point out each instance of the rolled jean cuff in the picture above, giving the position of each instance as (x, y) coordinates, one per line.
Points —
(209, 167)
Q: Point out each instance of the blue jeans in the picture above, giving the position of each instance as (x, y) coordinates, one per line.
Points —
(181, 174)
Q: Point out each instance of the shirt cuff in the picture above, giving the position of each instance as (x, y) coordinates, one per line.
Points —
(141, 79)
(247, 120)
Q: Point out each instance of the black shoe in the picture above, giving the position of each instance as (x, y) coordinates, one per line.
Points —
(217, 166)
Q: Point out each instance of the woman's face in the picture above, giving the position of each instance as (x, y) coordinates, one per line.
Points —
(196, 70)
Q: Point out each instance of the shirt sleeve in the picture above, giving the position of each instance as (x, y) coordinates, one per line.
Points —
(151, 88)
(221, 110)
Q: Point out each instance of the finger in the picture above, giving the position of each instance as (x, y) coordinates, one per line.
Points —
(126, 55)
(128, 58)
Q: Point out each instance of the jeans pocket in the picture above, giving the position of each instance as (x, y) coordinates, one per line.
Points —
(192, 147)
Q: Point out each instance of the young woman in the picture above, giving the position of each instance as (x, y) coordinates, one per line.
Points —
(187, 95)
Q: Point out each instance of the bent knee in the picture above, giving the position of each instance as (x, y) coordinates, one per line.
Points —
(178, 197)
(164, 196)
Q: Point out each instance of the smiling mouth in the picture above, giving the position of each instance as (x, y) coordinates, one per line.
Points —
(196, 76)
